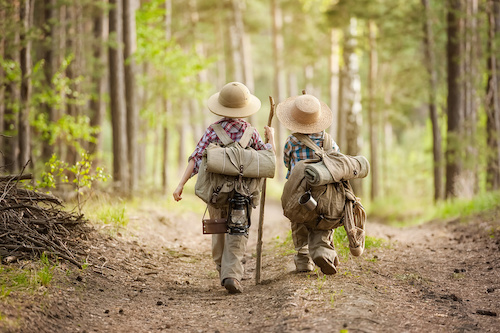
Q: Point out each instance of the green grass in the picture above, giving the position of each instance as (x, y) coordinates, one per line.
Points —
(26, 279)
(342, 243)
(463, 208)
(285, 246)
(402, 212)
(107, 211)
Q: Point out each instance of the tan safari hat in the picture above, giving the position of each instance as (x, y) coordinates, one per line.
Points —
(234, 100)
(304, 114)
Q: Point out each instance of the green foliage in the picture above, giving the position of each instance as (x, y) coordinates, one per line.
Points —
(81, 175)
(61, 92)
(173, 69)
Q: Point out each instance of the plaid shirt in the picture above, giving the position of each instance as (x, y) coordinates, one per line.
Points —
(235, 128)
(295, 151)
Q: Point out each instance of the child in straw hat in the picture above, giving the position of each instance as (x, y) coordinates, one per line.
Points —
(307, 115)
(234, 102)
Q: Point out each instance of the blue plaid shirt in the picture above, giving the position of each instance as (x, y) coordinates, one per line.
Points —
(295, 151)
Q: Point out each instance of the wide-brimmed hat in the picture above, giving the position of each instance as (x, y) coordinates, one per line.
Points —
(234, 100)
(304, 114)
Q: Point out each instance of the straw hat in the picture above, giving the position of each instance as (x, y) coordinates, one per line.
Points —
(304, 114)
(234, 101)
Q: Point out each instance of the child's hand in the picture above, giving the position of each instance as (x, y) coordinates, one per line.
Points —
(178, 193)
(269, 132)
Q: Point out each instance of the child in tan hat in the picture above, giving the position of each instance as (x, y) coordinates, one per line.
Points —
(233, 103)
(305, 114)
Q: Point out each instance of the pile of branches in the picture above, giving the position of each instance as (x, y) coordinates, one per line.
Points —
(32, 223)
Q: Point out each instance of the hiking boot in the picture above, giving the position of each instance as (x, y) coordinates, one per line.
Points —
(233, 286)
(304, 267)
(327, 266)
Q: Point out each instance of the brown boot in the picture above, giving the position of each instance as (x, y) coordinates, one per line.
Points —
(233, 286)
(327, 266)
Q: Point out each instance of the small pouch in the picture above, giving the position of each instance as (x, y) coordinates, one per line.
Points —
(214, 226)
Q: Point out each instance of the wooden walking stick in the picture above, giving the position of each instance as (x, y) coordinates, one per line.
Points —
(262, 204)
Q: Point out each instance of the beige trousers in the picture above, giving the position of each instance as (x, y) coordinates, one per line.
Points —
(227, 251)
(311, 244)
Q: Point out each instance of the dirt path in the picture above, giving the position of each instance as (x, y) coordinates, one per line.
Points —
(159, 277)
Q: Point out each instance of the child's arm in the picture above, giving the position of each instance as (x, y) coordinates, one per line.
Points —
(185, 177)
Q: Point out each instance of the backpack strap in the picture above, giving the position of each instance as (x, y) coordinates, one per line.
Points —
(226, 139)
(222, 134)
(247, 136)
(305, 139)
(309, 143)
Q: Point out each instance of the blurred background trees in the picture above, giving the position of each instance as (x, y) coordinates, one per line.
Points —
(413, 84)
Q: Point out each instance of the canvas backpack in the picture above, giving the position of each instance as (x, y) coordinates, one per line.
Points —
(217, 189)
(337, 204)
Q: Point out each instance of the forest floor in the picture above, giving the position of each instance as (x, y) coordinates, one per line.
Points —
(158, 276)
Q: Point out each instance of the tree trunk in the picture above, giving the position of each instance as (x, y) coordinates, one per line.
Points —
(236, 37)
(433, 86)
(10, 149)
(469, 178)
(97, 102)
(219, 31)
(352, 98)
(372, 112)
(2, 87)
(73, 70)
(454, 101)
(24, 125)
(279, 90)
(309, 77)
(130, 46)
(493, 98)
(183, 134)
(167, 105)
(334, 67)
(244, 45)
(117, 99)
(60, 46)
(49, 69)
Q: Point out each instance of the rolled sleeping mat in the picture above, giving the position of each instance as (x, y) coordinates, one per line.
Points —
(342, 167)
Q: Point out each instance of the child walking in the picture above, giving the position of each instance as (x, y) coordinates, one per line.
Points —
(233, 103)
(307, 115)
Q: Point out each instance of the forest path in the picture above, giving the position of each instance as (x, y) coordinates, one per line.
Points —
(442, 276)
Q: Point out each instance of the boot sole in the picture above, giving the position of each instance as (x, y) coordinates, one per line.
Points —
(232, 288)
(326, 266)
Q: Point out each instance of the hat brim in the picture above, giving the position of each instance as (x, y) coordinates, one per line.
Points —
(284, 116)
(215, 107)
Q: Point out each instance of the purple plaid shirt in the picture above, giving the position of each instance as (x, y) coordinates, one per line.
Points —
(235, 128)
(295, 151)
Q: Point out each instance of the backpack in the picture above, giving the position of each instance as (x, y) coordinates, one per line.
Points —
(216, 189)
(336, 203)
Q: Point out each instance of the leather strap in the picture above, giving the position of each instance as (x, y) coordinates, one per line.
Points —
(327, 143)
(226, 139)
